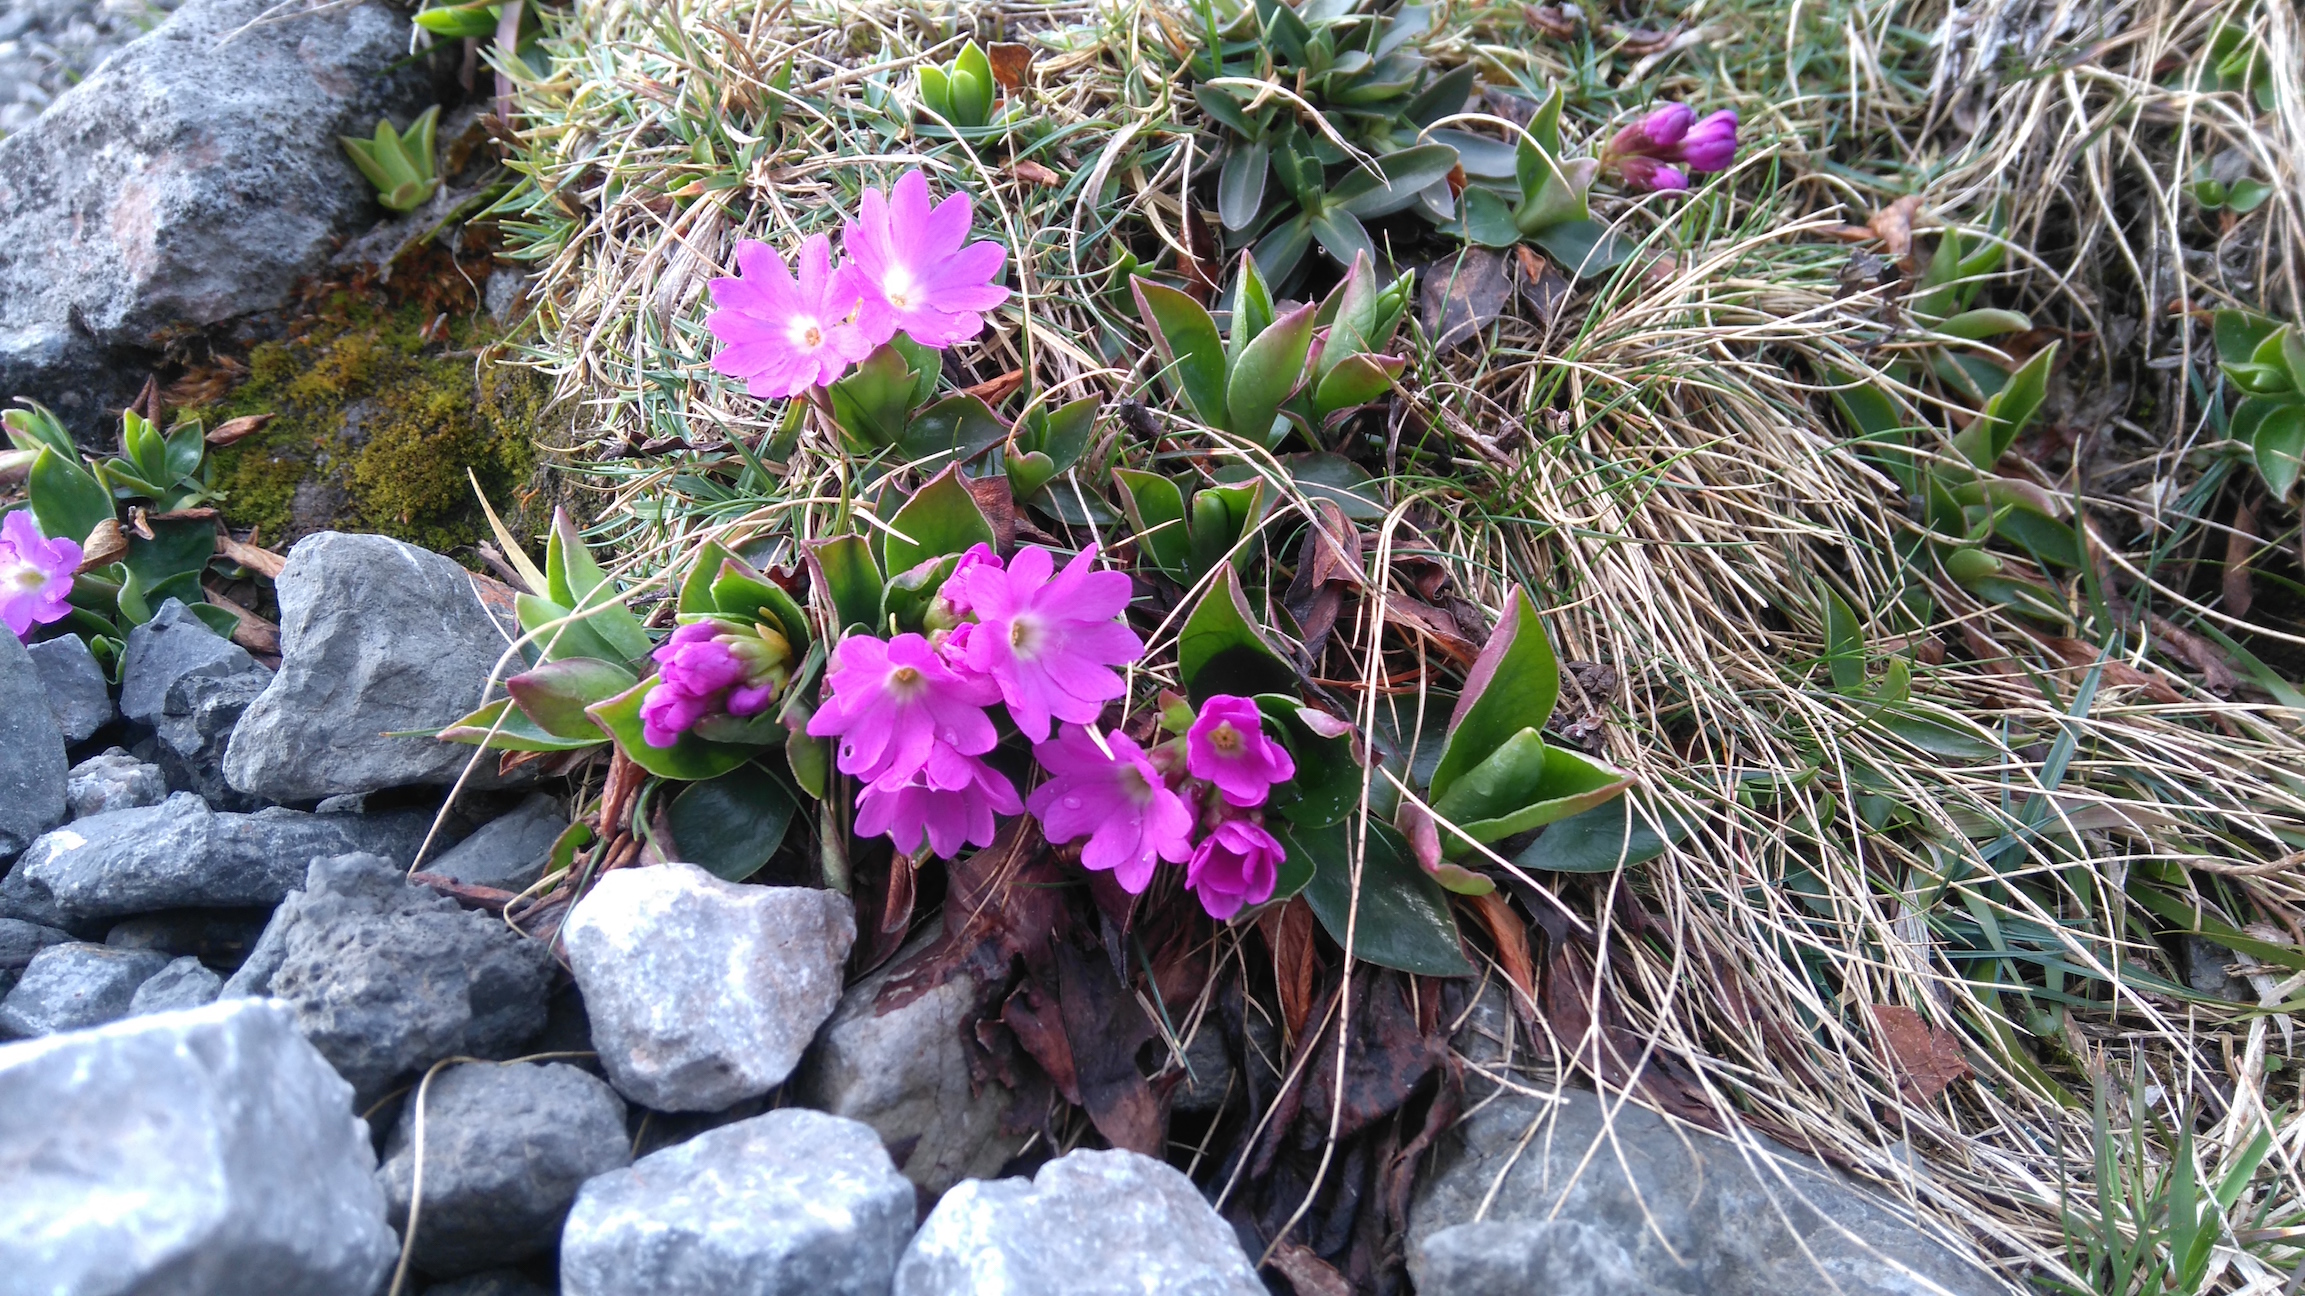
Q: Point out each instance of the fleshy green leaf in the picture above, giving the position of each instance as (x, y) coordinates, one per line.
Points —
(1341, 235)
(1403, 919)
(1156, 508)
(1241, 185)
(2010, 410)
(500, 726)
(1598, 840)
(689, 757)
(873, 405)
(1569, 783)
(1584, 248)
(573, 639)
(1327, 785)
(696, 587)
(1513, 686)
(1844, 643)
(1269, 372)
(1252, 308)
(1192, 354)
(941, 518)
(1220, 650)
(742, 591)
(959, 426)
(555, 694)
(67, 500)
(1398, 177)
(574, 580)
(1488, 221)
(1356, 381)
(2279, 448)
(850, 578)
(731, 825)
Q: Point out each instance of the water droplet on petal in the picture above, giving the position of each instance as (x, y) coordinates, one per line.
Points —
(1072, 803)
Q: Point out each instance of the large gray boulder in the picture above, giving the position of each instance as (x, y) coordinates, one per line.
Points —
(906, 1073)
(180, 854)
(376, 637)
(75, 986)
(703, 992)
(32, 764)
(789, 1203)
(77, 692)
(207, 1151)
(1089, 1224)
(384, 977)
(1656, 1206)
(194, 177)
(505, 1149)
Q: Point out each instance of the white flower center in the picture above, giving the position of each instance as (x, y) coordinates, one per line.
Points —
(1025, 636)
(898, 286)
(25, 576)
(807, 333)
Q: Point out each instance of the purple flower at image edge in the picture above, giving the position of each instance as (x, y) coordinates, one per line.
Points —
(893, 701)
(784, 337)
(1234, 867)
(35, 574)
(1130, 817)
(1048, 644)
(1227, 745)
(950, 802)
(1711, 144)
(915, 273)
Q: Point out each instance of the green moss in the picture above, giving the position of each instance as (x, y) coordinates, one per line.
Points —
(375, 431)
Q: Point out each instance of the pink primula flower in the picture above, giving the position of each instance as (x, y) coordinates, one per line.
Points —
(35, 574)
(893, 701)
(784, 337)
(1227, 746)
(1234, 867)
(702, 670)
(1655, 134)
(1048, 644)
(914, 271)
(950, 801)
(1649, 174)
(1131, 819)
(1711, 144)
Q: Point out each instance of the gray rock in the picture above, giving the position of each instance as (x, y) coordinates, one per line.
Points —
(49, 45)
(1089, 1224)
(189, 685)
(376, 636)
(790, 1202)
(180, 854)
(507, 853)
(493, 1282)
(343, 803)
(703, 992)
(219, 938)
(1556, 1257)
(235, 1142)
(19, 941)
(75, 986)
(1208, 1072)
(77, 692)
(905, 1072)
(505, 1149)
(112, 781)
(31, 746)
(384, 977)
(184, 983)
(1750, 1220)
(194, 177)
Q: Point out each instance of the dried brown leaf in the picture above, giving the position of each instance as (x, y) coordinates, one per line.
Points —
(1030, 172)
(1511, 936)
(105, 545)
(263, 562)
(1462, 295)
(1928, 1058)
(1307, 1272)
(2240, 545)
(1011, 63)
(1893, 225)
(232, 430)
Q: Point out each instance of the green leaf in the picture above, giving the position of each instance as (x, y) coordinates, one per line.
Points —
(178, 549)
(1349, 313)
(67, 500)
(1192, 354)
(689, 757)
(874, 404)
(2238, 334)
(696, 587)
(1269, 372)
(1445, 97)
(972, 70)
(743, 591)
(1251, 308)
(1064, 438)
(500, 726)
(1584, 248)
(1395, 183)
(1512, 687)
(942, 518)
(1488, 221)
(1545, 123)
(459, 22)
(36, 426)
(574, 580)
(936, 92)
(574, 639)
(1283, 246)
(1220, 650)
(1844, 643)
(731, 825)
(904, 604)
(1403, 920)
(1598, 840)
(2008, 412)
(1327, 785)
(1156, 508)
(2279, 448)
(1356, 381)
(959, 426)
(1570, 784)
(1978, 324)
(1241, 185)
(847, 575)
(1341, 235)
(555, 694)
(185, 449)
(1220, 105)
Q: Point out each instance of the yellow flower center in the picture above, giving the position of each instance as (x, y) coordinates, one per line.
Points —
(1225, 738)
(807, 333)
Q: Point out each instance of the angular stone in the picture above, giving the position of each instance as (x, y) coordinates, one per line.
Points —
(789, 1203)
(180, 854)
(19, 941)
(376, 636)
(194, 177)
(219, 938)
(703, 992)
(1089, 1224)
(1750, 1221)
(905, 1072)
(207, 1151)
(184, 983)
(189, 686)
(112, 781)
(507, 853)
(505, 1149)
(75, 986)
(77, 692)
(31, 747)
(384, 977)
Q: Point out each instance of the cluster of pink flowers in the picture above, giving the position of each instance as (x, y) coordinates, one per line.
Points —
(35, 574)
(1661, 150)
(910, 267)
(912, 716)
(712, 668)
